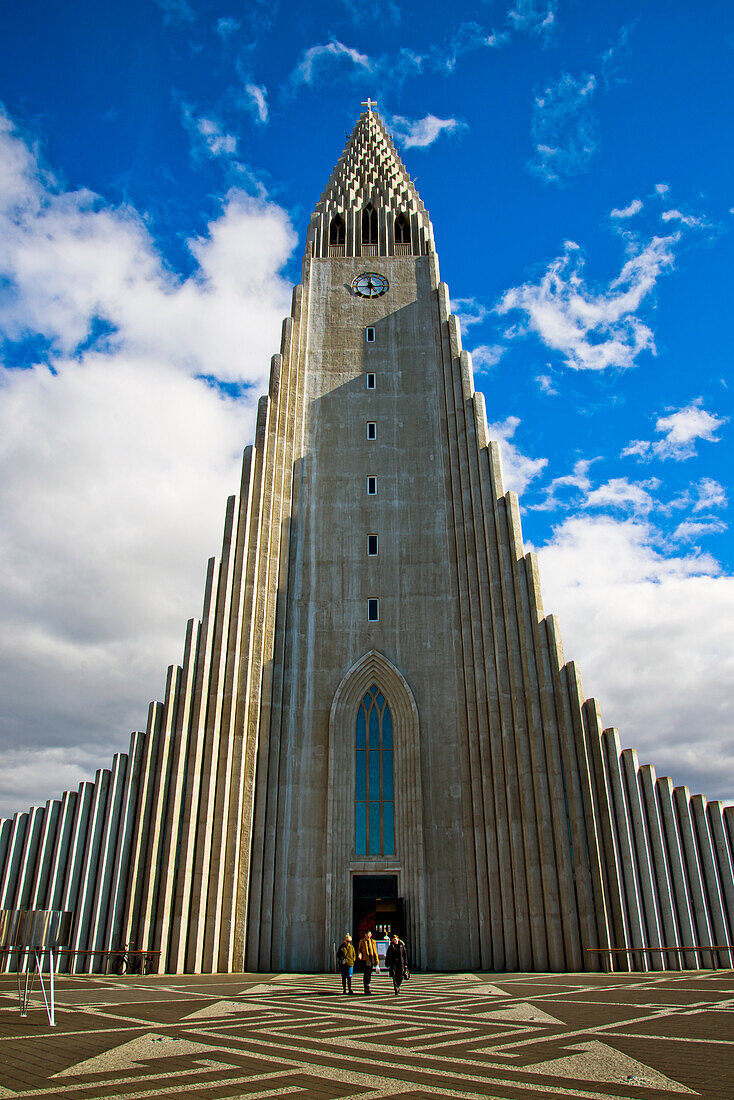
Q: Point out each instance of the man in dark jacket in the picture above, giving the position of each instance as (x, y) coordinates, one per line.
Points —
(396, 961)
(346, 956)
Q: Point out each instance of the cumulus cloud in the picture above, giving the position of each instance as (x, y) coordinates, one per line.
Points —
(485, 356)
(682, 428)
(470, 311)
(545, 383)
(564, 129)
(214, 139)
(652, 637)
(593, 331)
(422, 132)
(627, 211)
(566, 489)
(227, 26)
(624, 495)
(116, 454)
(257, 97)
(693, 221)
(318, 60)
(535, 16)
(691, 530)
(176, 11)
(518, 469)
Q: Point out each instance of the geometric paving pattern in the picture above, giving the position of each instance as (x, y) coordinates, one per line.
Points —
(502, 1037)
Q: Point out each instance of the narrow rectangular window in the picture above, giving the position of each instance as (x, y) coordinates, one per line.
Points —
(372, 545)
(371, 429)
(371, 486)
(373, 611)
(370, 334)
(370, 381)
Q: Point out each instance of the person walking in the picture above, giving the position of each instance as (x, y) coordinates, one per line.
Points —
(396, 961)
(346, 956)
(369, 958)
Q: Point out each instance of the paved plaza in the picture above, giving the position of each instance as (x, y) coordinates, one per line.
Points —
(465, 1035)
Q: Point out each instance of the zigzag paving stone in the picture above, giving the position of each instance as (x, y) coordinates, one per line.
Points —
(636, 1037)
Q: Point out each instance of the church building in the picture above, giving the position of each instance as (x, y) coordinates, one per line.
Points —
(373, 723)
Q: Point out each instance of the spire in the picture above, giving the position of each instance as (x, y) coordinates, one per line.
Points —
(370, 172)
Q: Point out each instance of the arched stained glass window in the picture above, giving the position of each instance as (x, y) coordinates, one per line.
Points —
(374, 805)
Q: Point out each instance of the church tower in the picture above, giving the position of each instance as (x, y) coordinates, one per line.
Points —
(374, 720)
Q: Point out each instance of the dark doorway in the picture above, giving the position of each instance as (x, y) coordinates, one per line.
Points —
(377, 906)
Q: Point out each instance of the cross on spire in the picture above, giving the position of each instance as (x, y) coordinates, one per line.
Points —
(369, 104)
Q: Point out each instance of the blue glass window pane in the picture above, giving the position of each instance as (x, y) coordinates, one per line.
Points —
(387, 790)
(360, 829)
(374, 775)
(388, 827)
(380, 700)
(374, 729)
(360, 729)
(374, 828)
(373, 689)
(387, 729)
(361, 784)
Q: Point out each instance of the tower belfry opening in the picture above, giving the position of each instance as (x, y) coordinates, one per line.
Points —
(374, 717)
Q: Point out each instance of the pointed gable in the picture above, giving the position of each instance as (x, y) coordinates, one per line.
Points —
(369, 171)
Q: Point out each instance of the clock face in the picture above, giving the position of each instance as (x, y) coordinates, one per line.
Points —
(370, 285)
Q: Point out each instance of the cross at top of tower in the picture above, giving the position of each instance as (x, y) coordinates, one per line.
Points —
(369, 104)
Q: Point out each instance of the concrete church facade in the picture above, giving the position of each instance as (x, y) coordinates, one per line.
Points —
(374, 711)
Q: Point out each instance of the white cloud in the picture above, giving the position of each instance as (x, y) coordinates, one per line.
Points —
(592, 331)
(536, 16)
(217, 142)
(578, 482)
(564, 129)
(546, 385)
(691, 530)
(317, 60)
(691, 220)
(682, 429)
(176, 11)
(652, 638)
(116, 457)
(258, 100)
(627, 211)
(422, 132)
(227, 26)
(625, 495)
(470, 311)
(662, 188)
(710, 495)
(517, 469)
(485, 356)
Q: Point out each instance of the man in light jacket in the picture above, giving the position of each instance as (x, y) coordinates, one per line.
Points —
(367, 955)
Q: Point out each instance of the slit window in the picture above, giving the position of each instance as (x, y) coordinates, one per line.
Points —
(372, 546)
(371, 486)
(373, 611)
(371, 429)
(370, 335)
(370, 381)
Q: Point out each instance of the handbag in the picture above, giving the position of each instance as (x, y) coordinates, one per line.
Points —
(406, 975)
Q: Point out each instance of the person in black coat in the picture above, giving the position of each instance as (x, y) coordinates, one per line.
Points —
(396, 961)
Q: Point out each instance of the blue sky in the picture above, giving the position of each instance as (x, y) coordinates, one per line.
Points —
(158, 164)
